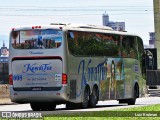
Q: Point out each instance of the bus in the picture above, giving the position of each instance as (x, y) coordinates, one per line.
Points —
(74, 64)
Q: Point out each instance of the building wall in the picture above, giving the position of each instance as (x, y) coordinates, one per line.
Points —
(105, 19)
(118, 26)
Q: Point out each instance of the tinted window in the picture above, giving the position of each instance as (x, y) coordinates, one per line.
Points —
(129, 47)
(141, 56)
(36, 39)
(140, 48)
(93, 44)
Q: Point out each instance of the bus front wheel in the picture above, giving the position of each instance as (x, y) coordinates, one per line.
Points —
(131, 101)
(135, 95)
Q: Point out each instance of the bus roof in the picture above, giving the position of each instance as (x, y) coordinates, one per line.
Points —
(80, 27)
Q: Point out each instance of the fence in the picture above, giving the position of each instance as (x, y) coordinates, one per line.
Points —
(153, 77)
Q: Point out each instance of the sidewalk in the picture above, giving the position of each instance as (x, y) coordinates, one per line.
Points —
(5, 101)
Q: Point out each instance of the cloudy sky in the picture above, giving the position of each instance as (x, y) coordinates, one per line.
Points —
(137, 14)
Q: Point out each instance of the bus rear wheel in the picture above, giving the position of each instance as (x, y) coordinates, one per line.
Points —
(85, 102)
(93, 98)
(43, 106)
(71, 106)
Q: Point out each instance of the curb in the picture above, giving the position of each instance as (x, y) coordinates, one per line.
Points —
(6, 101)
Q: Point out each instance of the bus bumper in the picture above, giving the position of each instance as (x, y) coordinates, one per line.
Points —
(60, 96)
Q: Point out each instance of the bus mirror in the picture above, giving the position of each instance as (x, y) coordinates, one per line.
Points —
(149, 59)
(148, 53)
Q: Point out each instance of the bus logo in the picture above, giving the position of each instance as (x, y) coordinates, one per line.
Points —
(34, 68)
(136, 69)
(32, 52)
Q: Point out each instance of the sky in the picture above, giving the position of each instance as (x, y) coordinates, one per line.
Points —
(137, 14)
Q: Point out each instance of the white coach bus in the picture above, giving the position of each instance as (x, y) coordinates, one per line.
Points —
(76, 65)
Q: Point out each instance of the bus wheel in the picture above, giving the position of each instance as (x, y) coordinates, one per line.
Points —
(135, 95)
(94, 97)
(42, 106)
(71, 106)
(35, 106)
(85, 102)
(49, 106)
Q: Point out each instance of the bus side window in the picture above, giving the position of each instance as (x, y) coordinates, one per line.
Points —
(71, 42)
(129, 47)
(118, 44)
(125, 47)
(141, 56)
(133, 48)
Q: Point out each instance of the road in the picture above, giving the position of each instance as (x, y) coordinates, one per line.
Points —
(102, 105)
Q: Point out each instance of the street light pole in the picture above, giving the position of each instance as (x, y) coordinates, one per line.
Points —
(156, 5)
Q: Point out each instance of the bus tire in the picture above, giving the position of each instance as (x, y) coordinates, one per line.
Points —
(35, 106)
(93, 98)
(135, 95)
(85, 102)
(50, 106)
(71, 106)
(131, 101)
(43, 106)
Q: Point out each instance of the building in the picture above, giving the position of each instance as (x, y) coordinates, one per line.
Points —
(4, 52)
(105, 19)
(118, 26)
(4, 64)
(152, 39)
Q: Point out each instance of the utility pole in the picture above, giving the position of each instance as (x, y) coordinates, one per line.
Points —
(156, 4)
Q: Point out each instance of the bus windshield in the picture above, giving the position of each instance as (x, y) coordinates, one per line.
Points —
(36, 39)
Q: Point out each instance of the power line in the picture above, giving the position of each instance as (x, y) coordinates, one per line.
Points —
(78, 8)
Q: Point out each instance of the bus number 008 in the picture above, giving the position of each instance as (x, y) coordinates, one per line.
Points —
(17, 77)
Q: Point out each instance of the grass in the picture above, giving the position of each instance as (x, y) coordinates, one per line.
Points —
(121, 114)
(135, 113)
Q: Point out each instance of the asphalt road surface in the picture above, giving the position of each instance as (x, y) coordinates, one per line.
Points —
(101, 106)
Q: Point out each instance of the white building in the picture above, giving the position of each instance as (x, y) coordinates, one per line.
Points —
(119, 26)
